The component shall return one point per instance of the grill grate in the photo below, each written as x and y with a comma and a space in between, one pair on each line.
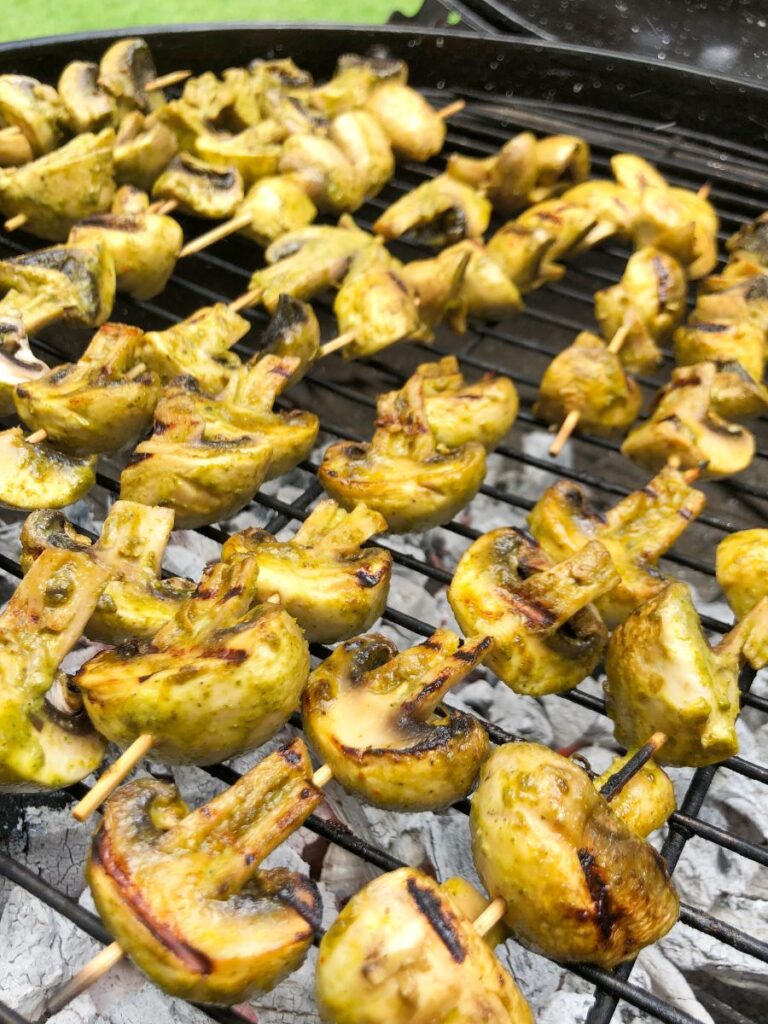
343, 395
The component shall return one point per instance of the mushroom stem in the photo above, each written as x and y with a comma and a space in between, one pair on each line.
451, 109
249, 298
333, 346
163, 81
491, 916
229, 227
104, 961
571, 421
11, 132
37, 438
113, 776
619, 779
14, 223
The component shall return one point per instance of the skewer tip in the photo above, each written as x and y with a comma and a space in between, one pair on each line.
162, 81
451, 109
491, 916
333, 346
14, 223
567, 427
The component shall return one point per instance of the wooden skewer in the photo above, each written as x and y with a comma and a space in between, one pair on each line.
571, 421
162, 81
37, 438
333, 346
250, 298
137, 371
104, 961
704, 191
14, 223
619, 779
451, 109
113, 776
491, 916
229, 227
162, 206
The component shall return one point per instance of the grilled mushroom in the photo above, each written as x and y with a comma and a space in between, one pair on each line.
649, 301
89, 105
246, 152
402, 951
374, 305
35, 109
331, 180
72, 283
402, 472
350, 86
437, 283
200, 188
198, 346
183, 894
637, 532
645, 802
485, 291
125, 70
37, 476
663, 675
142, 151
586, 377
546, 634
197, 462
91, 406
293, 331
684, 424
364, 143
306, 262
42, 745
458, 412
18, 364
415, 129
614, 208
605, 892
333, 586
136, 602
277, 205
436, 213
62, 187
735, 395
742, 569
740, 341
220, 677
143, 245
375, 718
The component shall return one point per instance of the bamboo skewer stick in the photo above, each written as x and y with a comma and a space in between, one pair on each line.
619, 779
113, 776
16, 222
229, 227
163, 81
163, 206
451, 109
37, 438
571, 421
333, 346
104, 961
249, 298
491, 916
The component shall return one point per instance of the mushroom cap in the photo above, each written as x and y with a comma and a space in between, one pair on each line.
403, 952
437, 213
277, 204
605, 892
88, 104
363, 714
200, 188
742, 569
37, 476
412, 125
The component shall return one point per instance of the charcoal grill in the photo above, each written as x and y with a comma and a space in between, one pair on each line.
696, 127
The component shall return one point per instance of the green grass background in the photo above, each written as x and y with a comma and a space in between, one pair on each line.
23, 19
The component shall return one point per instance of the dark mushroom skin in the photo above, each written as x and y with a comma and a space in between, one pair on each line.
136, 601
375, 305
125, 70
197, 461
547, 635
458, 412
89, 105
587, 378
436, 213
333, 586
402, 472
649, 301
144, 245
72, 283
58, 189
526, 170
183, 893
90, 406
683, 424
606, 893
200, 188
292, 331
278, 204
42, 745
375, 717
142, 151
742, 569
219, 678
198, 346
34, 476
305, 263
637, 532
403, 951
35, 109
644, 803
18, 363
664, 676
415, 130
